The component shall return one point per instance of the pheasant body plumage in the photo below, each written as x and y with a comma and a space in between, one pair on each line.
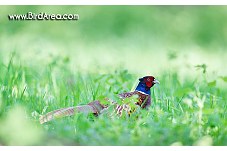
142, 92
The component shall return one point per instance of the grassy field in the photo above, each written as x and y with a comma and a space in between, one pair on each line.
47, 65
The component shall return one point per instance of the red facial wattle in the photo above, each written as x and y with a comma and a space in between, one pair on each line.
149, 84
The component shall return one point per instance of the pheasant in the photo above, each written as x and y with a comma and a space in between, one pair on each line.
143, 100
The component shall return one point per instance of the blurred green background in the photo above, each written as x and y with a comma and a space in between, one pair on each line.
174, 43
120, 35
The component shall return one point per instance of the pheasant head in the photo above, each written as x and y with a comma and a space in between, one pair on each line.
146, 83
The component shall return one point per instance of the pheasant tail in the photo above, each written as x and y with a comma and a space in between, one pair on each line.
93, 107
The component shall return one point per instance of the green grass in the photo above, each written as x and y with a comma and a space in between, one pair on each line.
191, 112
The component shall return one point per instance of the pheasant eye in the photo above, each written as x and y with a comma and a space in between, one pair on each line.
148, 79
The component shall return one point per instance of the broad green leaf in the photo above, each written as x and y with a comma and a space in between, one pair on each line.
182, 92
212, 84
224, 78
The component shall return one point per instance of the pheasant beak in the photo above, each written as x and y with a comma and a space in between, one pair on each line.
156, 81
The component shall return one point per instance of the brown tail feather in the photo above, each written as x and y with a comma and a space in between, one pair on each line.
93, 107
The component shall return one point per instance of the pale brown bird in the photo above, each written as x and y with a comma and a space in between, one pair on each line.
143, 100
